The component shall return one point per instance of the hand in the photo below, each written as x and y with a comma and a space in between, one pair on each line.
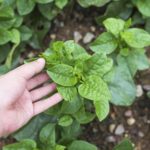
20, 100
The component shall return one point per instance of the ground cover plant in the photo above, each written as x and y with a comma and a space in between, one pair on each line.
89, 80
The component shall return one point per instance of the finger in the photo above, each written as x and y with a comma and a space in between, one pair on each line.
29, 70
43, 91
43, 105
37, 80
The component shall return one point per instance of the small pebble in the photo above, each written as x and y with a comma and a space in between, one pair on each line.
139, 91
112, 128
140, 134
111, 139
131, 121
93, 29
61, 24
77, 36
95, 130
146, 87
88, 37
119, 130
53, 36
128, 113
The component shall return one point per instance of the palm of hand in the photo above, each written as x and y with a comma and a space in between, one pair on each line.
23, 98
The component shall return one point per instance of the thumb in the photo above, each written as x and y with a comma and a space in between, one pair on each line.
31, 69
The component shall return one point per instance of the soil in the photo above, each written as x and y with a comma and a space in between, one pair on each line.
100, 134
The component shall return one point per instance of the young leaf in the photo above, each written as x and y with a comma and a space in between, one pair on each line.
60, 147
71, 107
62, 74
24, 144
83, 117
124, 145
25, 6
81, 145
137, 60
114, 26
98, 65
47, 135
122, 86
5, 36
136, 38
65, 121
87, 3
102, 109
6, 12
61, 3
94, 88
104, 43
143, 6
44, 1
68, 93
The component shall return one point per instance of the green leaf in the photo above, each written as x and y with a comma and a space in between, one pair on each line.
136, 38
26, 33
81, 145
87, 3
105, 43
62, 74
31, 130
68, 93
124, 145
25, 6
137, 60
122, 86
102, 109
98, 65
61, 3
124, 52
94, 88
49, 11
44, 1
6, 12
143, 7
114, 26
47, 135
5, 36
22, 145
71, 107
65, 121
60, 147
15, 36
83, 117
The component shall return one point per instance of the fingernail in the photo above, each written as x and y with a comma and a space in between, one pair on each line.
41, 60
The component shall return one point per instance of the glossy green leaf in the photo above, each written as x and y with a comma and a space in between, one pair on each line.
68, 93
5, 36
104, 43
81, 145
61, 3
44, 1
102, 109
122, 86
62, 74
114, 26
98, 65
124, 145
25, 6
47, 135
136, 38
65, 121
84, 117
143, 7
22, 145
94, 88
87, 3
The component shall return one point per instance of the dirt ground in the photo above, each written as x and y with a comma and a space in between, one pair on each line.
132, 122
